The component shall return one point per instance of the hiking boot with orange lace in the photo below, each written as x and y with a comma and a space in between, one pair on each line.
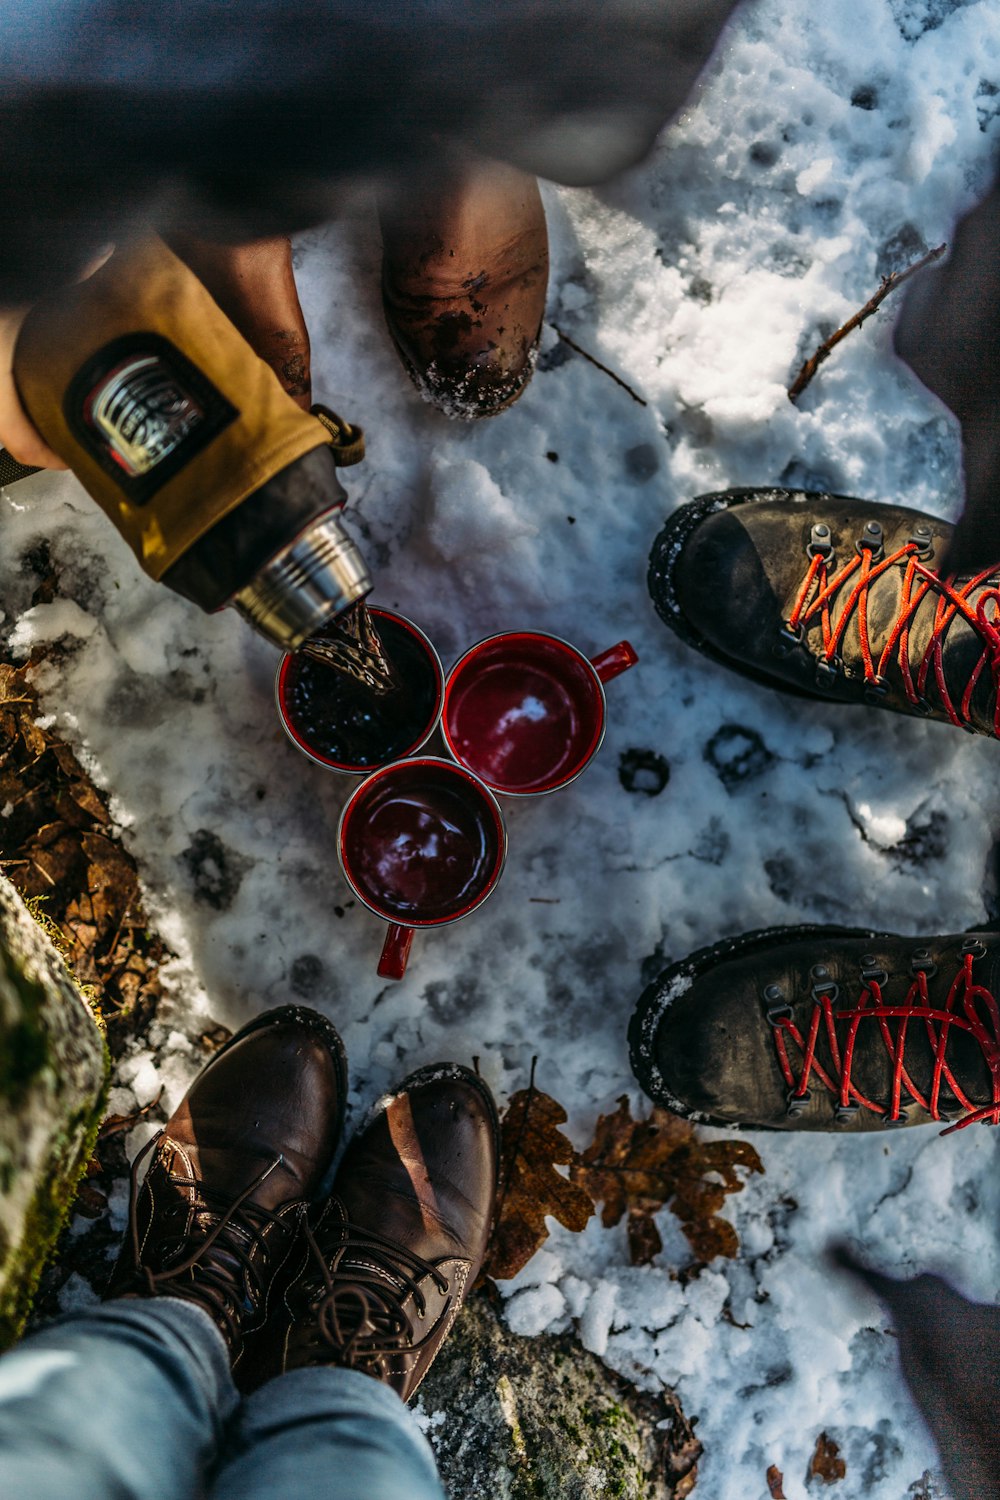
232, 1172
825, 1028
387, 1267
464, 277
830, 597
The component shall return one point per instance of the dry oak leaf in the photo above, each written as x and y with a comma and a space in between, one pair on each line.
776, 1483
531, 1147
639, 1165
826, 1463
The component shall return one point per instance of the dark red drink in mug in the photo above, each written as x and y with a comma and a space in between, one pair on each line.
526, 711
343, 724
422, 842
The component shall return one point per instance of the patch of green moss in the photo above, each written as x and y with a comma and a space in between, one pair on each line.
90, 994
24, 1046
48, 1213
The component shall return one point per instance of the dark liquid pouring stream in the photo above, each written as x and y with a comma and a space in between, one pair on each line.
351, 646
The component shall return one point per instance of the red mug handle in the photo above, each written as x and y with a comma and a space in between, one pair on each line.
395, 951
615, 660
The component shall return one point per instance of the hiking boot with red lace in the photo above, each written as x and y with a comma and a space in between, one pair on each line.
464, 276
834, 598
233, 1170
825, 1028
404, 1235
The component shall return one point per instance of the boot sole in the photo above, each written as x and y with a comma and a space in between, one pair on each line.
652, 1007
327, 1033
666, 552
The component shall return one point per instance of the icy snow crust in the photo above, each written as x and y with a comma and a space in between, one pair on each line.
766, 216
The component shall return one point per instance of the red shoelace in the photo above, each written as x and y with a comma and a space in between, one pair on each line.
960, 1010
819, 587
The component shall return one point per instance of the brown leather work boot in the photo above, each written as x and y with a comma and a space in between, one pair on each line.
402, 1239
464, 276
233, 1170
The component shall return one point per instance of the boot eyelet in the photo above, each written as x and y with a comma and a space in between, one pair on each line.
922, 707
825, 988
871, 540
789, 638
777, 1008
894, 1124
820, 544
974, 946
844, 1113
922, 537
828, 669
871, 969
922, 963
876, 689
797, 1104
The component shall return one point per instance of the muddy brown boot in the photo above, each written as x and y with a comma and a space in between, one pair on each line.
404, 1235
464, 276
254, 284
233, 1170
825, 1028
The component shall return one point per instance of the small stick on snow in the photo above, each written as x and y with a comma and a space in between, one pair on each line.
598, 366
889, 284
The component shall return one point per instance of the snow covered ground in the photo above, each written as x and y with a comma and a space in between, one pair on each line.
830, 144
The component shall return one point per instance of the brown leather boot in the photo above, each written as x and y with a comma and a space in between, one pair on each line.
464, 276
233, 1169
402, 1239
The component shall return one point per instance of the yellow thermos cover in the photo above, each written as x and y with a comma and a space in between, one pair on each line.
155, 400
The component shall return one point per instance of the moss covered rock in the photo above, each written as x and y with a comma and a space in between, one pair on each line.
514, 1418
53, 1078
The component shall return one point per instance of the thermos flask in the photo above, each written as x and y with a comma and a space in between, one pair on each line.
223, 487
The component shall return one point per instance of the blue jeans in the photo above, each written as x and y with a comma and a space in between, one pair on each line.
134, 1401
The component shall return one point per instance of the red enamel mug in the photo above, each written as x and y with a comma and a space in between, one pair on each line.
526, 712
346, 727
421, 842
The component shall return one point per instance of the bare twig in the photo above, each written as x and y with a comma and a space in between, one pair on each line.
598, 366
119, 1124
889, 284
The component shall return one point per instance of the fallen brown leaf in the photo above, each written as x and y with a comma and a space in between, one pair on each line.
776, 1483
639, 1165
531, 1148
826, 1464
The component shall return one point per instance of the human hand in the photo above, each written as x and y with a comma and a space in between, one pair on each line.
17, 432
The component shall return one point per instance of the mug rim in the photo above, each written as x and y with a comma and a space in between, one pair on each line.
541, 635
499, 820
347, 768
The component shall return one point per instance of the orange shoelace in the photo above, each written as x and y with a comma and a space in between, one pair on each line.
814, 600
969, 1007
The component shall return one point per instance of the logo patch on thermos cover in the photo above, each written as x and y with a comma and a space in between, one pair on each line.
143, 410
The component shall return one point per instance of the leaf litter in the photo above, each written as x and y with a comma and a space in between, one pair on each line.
632, 1167
59, 849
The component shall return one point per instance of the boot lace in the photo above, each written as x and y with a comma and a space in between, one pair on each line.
360, 1318
969, 1007
224, 1269
814, 602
